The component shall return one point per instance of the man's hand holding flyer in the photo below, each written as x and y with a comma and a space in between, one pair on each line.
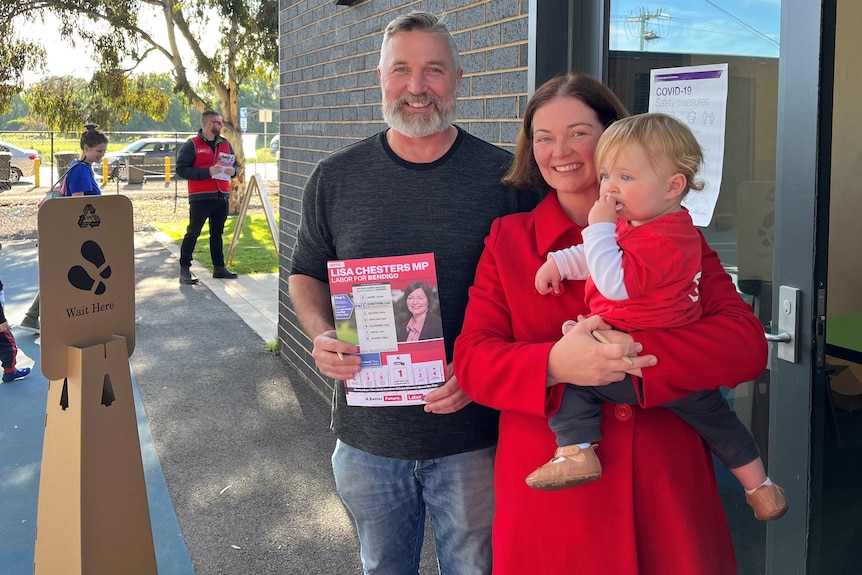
389, 307
223, 162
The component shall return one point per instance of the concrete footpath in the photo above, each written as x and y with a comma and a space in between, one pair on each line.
236, 446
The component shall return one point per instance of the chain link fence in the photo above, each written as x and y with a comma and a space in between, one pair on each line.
132, 157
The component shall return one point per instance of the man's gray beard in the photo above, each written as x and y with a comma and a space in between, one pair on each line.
416, 125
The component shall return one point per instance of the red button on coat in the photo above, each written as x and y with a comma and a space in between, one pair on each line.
623, 412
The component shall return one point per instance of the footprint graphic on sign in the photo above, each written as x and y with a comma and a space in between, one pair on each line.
80, 277
766, 232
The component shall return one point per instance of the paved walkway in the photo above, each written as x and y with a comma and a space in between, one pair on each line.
235, 445
254, 298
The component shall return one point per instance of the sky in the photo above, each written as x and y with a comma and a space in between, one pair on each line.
64, 59
729, 27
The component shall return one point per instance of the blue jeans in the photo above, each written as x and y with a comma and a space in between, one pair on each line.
387, 499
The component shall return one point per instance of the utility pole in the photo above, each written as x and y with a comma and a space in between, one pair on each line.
641, 18
265, 116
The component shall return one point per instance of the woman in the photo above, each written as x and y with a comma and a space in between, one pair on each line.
78, 181
79, 177
656, 509
422, 322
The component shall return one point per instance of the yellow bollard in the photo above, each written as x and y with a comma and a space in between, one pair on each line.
104, 170
36, 165
167, 170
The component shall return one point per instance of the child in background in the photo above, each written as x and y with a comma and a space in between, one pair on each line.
641, 260
8, 348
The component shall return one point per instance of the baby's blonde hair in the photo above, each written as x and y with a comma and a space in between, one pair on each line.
665, 140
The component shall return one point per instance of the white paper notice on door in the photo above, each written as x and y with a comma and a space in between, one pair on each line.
697, 96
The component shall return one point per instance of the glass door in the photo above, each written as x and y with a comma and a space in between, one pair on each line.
836, 440
747, 37
765, 230
791, 143
786, 225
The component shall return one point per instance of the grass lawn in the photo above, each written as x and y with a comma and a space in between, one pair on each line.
255, 253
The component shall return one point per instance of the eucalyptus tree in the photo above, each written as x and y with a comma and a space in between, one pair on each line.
208, 47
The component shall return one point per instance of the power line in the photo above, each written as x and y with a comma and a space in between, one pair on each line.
714, 28
727, 29
742, 23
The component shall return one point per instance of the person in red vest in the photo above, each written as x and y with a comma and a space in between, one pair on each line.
208, 162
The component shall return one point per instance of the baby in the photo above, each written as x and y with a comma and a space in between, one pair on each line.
641, 258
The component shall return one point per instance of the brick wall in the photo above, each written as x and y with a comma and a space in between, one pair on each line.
330, 97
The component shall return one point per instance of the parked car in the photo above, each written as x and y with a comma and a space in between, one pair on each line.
155, 151
23, 162
273, 146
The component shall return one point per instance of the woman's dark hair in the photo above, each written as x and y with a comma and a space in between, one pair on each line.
92, 137
524, 172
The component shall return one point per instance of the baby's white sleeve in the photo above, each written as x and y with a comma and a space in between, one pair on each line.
571, 262
605, 260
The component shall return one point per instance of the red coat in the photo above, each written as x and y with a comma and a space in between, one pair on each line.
656, 509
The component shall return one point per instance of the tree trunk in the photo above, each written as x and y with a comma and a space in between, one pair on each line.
237, 184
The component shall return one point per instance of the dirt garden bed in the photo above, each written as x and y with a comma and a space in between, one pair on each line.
152, 202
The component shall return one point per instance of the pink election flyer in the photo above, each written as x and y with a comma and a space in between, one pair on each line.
390, 308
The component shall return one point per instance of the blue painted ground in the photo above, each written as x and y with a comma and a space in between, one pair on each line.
22, 424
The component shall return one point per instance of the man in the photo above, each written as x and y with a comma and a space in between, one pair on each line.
423, 185
208, 163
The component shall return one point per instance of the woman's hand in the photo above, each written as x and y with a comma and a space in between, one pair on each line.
448, 398
334, 358
578, 358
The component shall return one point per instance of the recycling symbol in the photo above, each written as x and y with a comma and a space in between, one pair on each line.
766, 231
89, 219
80, 278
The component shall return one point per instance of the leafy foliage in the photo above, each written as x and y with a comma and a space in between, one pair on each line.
59, 100
66, 103
222, 42
16, 56
17, 116
180, 117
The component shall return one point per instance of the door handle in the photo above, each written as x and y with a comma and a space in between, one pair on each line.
787, 343
782, 337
